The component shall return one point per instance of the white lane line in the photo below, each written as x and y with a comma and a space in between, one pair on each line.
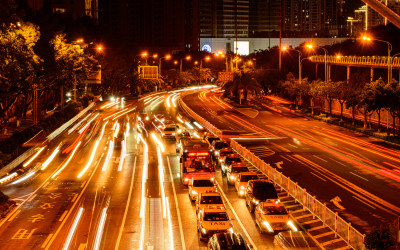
177, 207
32, 197
364, 202
317, 176
126, 207
286, 158
320, 158
63, 215
83, 184
73, 199
358, 176
237, 217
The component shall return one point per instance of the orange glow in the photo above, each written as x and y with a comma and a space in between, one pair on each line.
198, 154
188, 58
309, 46
175, 62
338, 56
196, 62
207, 58
366, 38
250, 63
155, 56
284, 48
144, 54
99, 48
80, 40
168, 57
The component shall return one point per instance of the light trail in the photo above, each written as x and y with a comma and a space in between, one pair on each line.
107, 105
127, 129
116, 131
126, 112
87, 124
24, 178
50, 159
121, 159
109, 154
198, 125
69, 159
161, 173
8, 177
188, 125
171, 236
33, 157
90, 160
110, 116
78, 124
143, 201
168, 101
179, 119
100, 229
151, 100
114, 126
196, 135
159, 143
175, 99
102, 131
73, 228
156, 104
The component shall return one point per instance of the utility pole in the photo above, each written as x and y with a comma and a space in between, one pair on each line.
35, 105
280, 38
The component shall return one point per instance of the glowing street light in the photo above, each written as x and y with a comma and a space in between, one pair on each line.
284, 49
310, 47
187, 59
99, 48
166, 57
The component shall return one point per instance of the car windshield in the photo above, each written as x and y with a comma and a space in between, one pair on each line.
216, 216
240, 169
220, 145
211, 200
264, 191
169, 129
274, 210
246, 178
203, 183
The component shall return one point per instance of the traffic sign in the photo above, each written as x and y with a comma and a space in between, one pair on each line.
148, 72
225, 76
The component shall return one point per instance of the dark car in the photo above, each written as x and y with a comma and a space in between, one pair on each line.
222, 241
258, 191
294, 240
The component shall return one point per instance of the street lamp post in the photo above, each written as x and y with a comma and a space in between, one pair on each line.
310, 46
284, 48
187, 59
201, 61
167, 57
366, 38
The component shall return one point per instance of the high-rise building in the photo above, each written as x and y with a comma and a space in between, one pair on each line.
76, 9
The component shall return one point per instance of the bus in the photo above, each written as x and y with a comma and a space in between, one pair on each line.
195, 160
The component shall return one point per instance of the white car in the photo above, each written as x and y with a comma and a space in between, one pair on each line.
199, 185
241, 181
169, 132
272, 217
209, 200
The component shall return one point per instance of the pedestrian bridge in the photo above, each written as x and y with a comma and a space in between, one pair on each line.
358, 61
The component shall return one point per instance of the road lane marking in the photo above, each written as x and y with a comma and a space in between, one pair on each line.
320, 158
286, 158
72, 208
317, 176
83, 184
45, 185
23, 234
82, 246
32, 197
73, 199
126, 207
237, 217
12, 217
47, 240
359, 176
63, 215
176, 206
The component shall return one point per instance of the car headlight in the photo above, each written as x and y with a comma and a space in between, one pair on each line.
241, 192
212, 178
232, 177
204, 230
242, 187
194, 192
230, 230
186, 179
256, 201
173, 133
220, 160
292, 226
268, 226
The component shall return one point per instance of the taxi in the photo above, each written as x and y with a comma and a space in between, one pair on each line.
233, 171
209, 200
211, 221
199, 185
272, 217
241, 181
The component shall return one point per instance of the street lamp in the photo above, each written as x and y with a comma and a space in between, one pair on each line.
236, 60
222, 55
368, 39
187, 59
167, 57
284, 49
310, 47
207, 58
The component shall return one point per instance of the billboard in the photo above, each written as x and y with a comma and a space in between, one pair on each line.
243, 47
148, 72
225, 76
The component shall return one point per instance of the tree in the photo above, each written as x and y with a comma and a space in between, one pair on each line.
344, 92
375, 98
19, 66
315, 91
379, 239
392, 97
244, 81
73, 64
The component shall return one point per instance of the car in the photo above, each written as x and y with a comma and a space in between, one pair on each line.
211, 221
169, 132
294, 240
200, 185
209, 200
233, 171
242, 180
258, 191
228, 160
222, 153
272, 217
225, 241
217, 145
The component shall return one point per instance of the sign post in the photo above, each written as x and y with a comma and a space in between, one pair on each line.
148, 72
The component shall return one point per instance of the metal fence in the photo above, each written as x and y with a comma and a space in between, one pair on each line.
61, 129
329, 218
381, 61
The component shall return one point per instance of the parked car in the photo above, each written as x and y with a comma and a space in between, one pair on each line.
211, 221
242, 180
200, 185
272, 217
233, 171
294, 240
228, 160
209, 200
227, 241
258, 191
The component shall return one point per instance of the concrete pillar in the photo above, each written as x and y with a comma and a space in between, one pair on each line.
371, 75
329, 72
348, 73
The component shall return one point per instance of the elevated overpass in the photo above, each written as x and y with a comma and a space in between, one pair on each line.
384, 11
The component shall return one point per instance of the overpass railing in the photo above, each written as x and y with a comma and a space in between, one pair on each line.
357, 60
329, 218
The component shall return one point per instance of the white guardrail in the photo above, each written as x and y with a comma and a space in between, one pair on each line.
329, 218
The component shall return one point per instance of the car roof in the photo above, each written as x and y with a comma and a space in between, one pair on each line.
214, 210
300, 239
229, 240
248, 173
210, 194
200, 178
